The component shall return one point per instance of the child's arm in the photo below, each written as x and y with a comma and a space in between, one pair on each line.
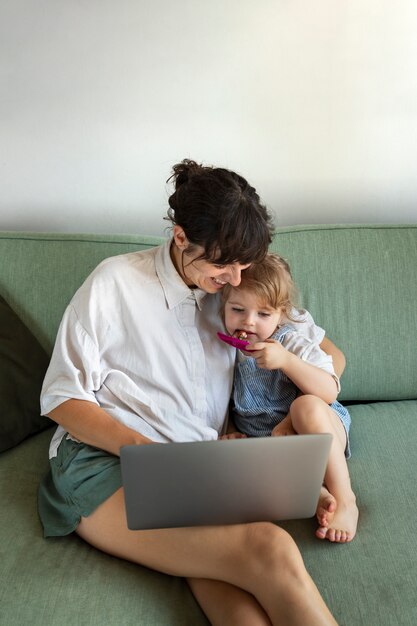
307, 327
307, 377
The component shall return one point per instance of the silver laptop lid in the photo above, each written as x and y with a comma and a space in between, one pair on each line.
223, 482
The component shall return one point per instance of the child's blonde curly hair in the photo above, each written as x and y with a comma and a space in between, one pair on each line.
271, 282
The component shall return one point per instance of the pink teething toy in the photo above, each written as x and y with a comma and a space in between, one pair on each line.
233, 341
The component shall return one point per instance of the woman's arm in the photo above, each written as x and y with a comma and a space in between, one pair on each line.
231, 431
92, 425
339, 360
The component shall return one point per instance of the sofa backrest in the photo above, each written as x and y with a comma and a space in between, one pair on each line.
39, 273
359, 283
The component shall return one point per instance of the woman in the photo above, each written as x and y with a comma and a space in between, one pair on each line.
137, 361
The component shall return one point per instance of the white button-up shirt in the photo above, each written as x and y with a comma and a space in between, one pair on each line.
143, 346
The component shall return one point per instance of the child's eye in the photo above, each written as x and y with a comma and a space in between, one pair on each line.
237, 309
262, 314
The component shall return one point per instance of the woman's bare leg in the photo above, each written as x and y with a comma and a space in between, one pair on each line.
337, 510
225, 604
260, 559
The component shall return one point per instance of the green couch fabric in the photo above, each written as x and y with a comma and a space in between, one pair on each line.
57, 265
62, 582
370, 582
359, 283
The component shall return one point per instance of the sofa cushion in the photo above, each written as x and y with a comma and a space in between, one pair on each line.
359, 283
56, 264
23, 364
369, 582
343, 273
60, 581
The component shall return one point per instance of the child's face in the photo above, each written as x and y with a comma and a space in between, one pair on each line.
244, 311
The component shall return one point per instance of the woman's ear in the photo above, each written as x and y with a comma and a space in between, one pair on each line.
180, 237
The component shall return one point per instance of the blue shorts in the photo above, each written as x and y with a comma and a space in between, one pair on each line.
344, 417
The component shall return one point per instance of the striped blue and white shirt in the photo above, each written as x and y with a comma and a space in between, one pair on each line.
262, 398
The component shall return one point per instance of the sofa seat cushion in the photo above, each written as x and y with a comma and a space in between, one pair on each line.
45, 582
377, 572
62, 581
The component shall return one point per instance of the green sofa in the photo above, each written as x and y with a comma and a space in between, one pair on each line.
360, 284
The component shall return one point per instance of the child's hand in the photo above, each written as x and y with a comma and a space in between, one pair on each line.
269, 354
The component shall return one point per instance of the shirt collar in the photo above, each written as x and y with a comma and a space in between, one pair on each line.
175, 289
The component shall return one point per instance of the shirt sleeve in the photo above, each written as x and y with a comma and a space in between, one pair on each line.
306, 325
74, 371
309, 351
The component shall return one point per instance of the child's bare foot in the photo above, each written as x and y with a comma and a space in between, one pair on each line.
342, 528
326, 507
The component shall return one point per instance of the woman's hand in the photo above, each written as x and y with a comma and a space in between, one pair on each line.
235, 435
339, 360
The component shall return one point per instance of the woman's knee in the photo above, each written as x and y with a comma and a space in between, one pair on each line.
269, 548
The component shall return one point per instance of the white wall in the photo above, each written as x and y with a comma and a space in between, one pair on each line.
314, 101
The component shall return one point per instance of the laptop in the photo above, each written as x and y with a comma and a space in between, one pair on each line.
169, 485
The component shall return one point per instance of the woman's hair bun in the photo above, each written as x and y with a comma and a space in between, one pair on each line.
220, 212
182, 172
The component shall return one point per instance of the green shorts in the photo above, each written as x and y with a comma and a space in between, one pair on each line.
79, 480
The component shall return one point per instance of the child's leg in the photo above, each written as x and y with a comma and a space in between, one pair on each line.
338, 520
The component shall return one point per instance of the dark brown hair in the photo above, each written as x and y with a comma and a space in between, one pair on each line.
221, 212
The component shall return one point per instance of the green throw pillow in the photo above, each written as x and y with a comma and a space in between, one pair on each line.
23, 364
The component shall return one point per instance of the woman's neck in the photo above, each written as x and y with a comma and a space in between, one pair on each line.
177, 258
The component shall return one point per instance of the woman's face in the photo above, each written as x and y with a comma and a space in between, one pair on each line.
209, 276
197, 272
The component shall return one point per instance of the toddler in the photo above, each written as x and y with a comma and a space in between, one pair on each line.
285, 384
